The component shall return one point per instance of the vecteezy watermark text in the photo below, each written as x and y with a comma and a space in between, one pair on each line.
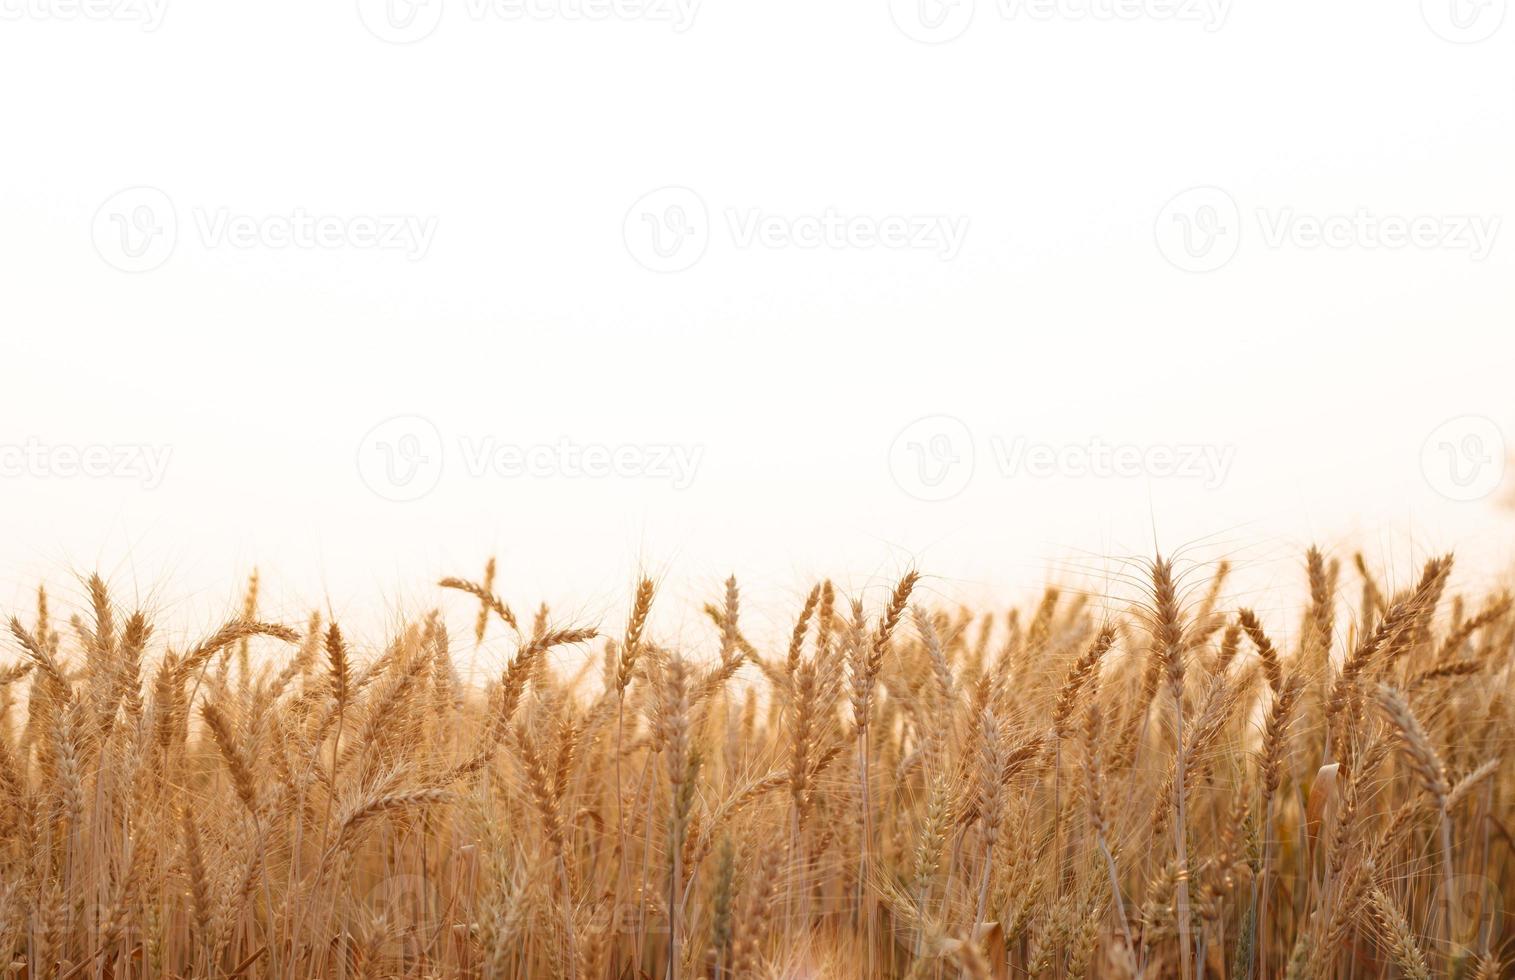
137, 230
669, 230
1202, 228
674, 463
407, 21
403, 458
1211, 13
1204, 462
408, 233
146, 13
938, 21
677, 13
940, 234
935, 458
1471, 233
146, 464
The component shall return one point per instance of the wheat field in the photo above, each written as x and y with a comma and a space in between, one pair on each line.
1153, 782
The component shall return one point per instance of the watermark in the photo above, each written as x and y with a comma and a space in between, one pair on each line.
1207, 463
1464, 21
407, 233
669, 230
138, 229
1209, 14
1476, 909
931, 21
400, 21
939, 21
934, 458
941, 235
148, 14
1201, 229
1471, 233
1463, 459
144, 463
402, 459
408, 21
673, 463
403, 912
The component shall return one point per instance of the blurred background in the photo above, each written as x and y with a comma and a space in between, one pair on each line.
1012, 291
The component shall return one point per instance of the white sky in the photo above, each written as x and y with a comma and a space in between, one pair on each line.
1055, 145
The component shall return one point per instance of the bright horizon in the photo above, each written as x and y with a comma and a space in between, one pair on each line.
741, 280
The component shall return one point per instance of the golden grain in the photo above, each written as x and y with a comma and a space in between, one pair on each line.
858, 801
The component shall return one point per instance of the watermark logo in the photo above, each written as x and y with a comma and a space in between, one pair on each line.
146, 13
1464, 21
406, 233
400, 459
135, 230
408, 21
146, 464
667, 230
1199, 230
678, 14
400, 21
1471, 233
939, 234
939, 21
1206, 463
932, 458
931, 21
1463, 459
1476, 907
1211, 14
403, 912
674, 463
